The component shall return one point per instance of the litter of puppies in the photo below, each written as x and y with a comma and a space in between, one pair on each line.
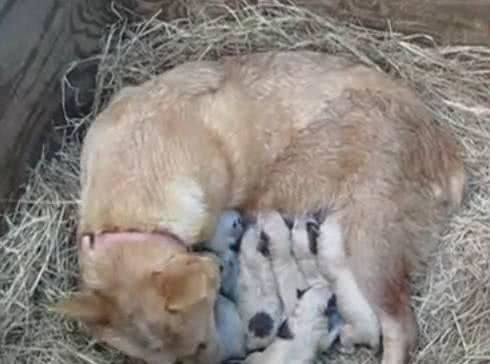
276, 318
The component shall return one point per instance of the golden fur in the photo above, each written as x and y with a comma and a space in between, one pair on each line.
291, 131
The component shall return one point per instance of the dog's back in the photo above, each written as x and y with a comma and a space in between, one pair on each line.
235, 117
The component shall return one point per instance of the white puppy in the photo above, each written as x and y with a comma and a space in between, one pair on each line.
290, 280
361, 323
304, 236
299, 339
259, 304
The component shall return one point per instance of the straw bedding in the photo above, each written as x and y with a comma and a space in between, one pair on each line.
451, 297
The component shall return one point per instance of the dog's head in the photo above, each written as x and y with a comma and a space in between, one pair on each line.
147, 296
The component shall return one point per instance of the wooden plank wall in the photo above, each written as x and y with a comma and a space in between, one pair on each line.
448, 21
39, 38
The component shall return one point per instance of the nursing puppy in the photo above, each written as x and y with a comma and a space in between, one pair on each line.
361, 325
290, 281
304, 241
259, 302
291, 131
269, 280
299, 341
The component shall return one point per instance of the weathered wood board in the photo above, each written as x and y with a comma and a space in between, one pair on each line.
448, 21
39, 38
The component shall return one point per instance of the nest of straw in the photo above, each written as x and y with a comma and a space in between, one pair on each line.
451, 297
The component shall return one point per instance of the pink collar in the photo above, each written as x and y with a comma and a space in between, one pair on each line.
110, 237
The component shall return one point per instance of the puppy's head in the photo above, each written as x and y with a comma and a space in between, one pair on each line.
147, 297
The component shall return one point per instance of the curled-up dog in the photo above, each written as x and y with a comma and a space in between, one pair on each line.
290, 281
259, 303
284, 130
298, 340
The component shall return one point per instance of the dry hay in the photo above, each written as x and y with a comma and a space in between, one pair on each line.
452, 299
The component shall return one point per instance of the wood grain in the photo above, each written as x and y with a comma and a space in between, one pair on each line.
37, 42
448, 21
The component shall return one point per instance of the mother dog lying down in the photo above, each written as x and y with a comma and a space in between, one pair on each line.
291, 131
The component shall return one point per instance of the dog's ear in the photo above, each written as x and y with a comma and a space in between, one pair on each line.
88, 307
186, 282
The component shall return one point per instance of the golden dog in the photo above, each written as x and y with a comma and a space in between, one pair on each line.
291, 131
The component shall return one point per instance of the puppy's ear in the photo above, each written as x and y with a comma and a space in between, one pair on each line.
186, 282
88, 307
